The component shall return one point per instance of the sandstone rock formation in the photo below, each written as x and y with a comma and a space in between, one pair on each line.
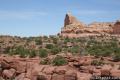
71, 20
116, 28
76, 69
74, 28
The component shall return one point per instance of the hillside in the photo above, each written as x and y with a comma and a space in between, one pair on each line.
79, 50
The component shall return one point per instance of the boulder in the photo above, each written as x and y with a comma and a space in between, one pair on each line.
57, 77
115, 73
9, 73
49, 70
20, 76
41, 76
61, 70
96, 72
19, 66
5, 65
105, 71
71, 75
83, 76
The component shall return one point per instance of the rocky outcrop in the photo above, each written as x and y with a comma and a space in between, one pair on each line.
74, 28
71, 20
116, 28
76, 69
71, 25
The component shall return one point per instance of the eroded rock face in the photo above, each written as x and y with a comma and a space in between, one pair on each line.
69, 19
77, 69
116, 28
71, 24
74, 28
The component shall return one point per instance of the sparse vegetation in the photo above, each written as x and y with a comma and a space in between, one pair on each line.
44, 46
55, 50
43, 53
59, 60
49, 46
32, 53
74, 50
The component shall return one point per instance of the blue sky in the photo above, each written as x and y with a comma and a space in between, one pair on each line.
46, 17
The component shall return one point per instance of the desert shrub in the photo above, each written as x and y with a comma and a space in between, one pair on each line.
32, 53
97, 62
38, 41
74, 49
24, 52
101, 48
19, 51
55, 50
43, 53
66, 40
59, 61
49, 46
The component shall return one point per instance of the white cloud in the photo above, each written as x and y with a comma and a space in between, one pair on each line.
20, 14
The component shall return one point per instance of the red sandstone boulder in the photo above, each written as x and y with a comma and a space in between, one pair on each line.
20, 66
5, 65
61, 70
49, 70
83, 76
71, 75
97, 72
29, 69
57, 77
42, 76
20, 76
9, 73
115, 73
105, 71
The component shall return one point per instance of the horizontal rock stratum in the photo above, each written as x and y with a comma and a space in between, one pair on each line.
74, 28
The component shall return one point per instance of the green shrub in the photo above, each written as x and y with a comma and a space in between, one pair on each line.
19, 51
43, 53
38, 41
66, 40
55, 50
59, 61
49, 46
24, 53
97, 62
74, 49
32, 53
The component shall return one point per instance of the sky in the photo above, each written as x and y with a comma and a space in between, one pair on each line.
46, 17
